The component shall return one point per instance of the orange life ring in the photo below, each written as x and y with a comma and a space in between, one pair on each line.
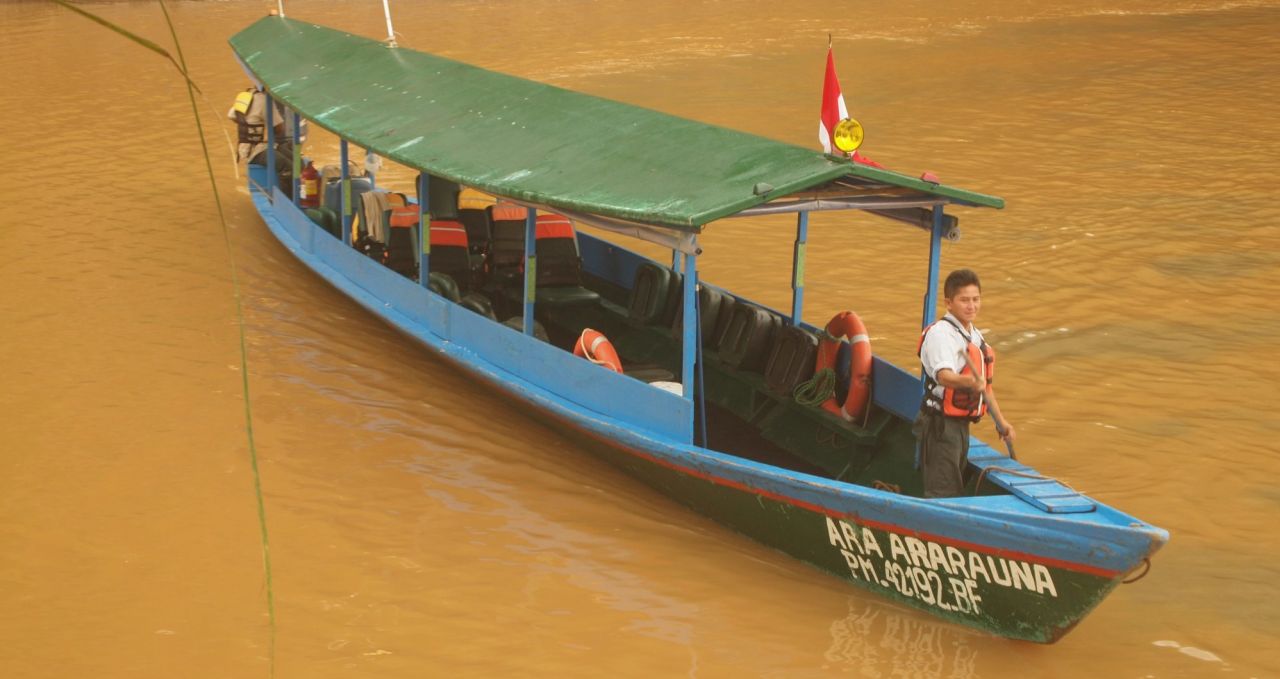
847, 327
595, 347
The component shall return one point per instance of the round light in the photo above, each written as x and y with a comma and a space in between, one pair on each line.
848, 135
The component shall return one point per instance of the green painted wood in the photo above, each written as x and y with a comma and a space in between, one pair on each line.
535, 142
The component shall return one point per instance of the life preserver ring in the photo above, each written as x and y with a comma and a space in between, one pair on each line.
595, 347
846, 335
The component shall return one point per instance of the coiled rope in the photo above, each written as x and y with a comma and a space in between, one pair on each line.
815, 391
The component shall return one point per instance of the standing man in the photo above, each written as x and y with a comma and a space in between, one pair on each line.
249, 112
958, 366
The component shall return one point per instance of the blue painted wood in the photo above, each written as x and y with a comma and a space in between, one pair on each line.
530, 268
586, 391
655, 426
297, 158
797, 268
424, 229
609, 261
689, 335
345, 200
935, 263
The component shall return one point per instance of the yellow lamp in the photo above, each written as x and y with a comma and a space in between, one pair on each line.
848, 135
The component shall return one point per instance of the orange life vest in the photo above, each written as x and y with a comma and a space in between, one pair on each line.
960, 402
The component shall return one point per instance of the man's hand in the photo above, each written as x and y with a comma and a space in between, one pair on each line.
1006, 431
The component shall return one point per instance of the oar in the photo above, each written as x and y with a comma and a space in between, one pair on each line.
995, 410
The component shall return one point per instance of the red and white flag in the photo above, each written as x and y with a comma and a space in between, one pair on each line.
833, 109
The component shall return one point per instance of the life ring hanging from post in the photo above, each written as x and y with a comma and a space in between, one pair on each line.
595, 347
846, 336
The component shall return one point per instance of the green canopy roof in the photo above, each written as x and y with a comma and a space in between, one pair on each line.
538, 143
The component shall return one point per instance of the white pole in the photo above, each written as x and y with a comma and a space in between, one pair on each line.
280, 6
391, 34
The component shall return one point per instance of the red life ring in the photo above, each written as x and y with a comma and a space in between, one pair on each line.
595, 347
846, 326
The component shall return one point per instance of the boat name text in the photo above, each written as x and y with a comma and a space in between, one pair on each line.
936, 574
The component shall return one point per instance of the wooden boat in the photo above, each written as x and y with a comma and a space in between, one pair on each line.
704, 411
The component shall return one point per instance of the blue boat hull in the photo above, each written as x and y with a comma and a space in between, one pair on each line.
994, 562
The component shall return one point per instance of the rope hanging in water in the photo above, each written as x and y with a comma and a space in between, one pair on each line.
817, 390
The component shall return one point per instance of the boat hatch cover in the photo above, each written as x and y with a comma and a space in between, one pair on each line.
1039, 491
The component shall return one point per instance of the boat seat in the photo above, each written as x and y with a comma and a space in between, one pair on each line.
506, 247
401, 253
443, 284
539, 331
449, 253
710, 301
332, 197
791, 360
655, 296
748, 338
326, 219
727, 303
559, 266
650, 374
473, 212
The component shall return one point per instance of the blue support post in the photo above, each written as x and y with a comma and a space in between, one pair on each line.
272, 179
797, 268
346, 193
297, 160
935, 258
424, 229
530, 268
689, 336
676, 257
368, 172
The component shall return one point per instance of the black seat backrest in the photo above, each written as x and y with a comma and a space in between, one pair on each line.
711, 304
791, 360
727, 304
558, 262
506, 253
648, 298
449, 252
443, 285
473, 212
748, 337
401, 253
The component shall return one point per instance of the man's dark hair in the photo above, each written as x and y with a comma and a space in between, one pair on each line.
958, 279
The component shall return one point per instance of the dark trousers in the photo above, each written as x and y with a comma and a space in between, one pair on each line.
944, 452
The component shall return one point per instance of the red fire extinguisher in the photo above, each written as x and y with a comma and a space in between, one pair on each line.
310, 184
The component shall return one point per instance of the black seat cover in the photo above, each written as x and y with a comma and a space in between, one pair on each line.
647, 301
792, 358
748, 337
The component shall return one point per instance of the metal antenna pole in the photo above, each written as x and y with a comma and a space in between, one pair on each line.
391, 34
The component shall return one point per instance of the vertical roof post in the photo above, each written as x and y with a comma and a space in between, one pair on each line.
530, 268
424, 228
935, 261
297, 159
345, 201
691, 343
272, 179
797, 267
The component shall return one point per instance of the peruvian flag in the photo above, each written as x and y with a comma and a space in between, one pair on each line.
833, 111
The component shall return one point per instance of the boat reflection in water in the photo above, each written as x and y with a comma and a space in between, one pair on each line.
888, 641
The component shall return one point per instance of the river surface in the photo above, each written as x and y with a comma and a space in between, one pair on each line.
421, 525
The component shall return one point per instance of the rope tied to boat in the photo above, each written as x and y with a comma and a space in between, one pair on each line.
1146, 562
815, 391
